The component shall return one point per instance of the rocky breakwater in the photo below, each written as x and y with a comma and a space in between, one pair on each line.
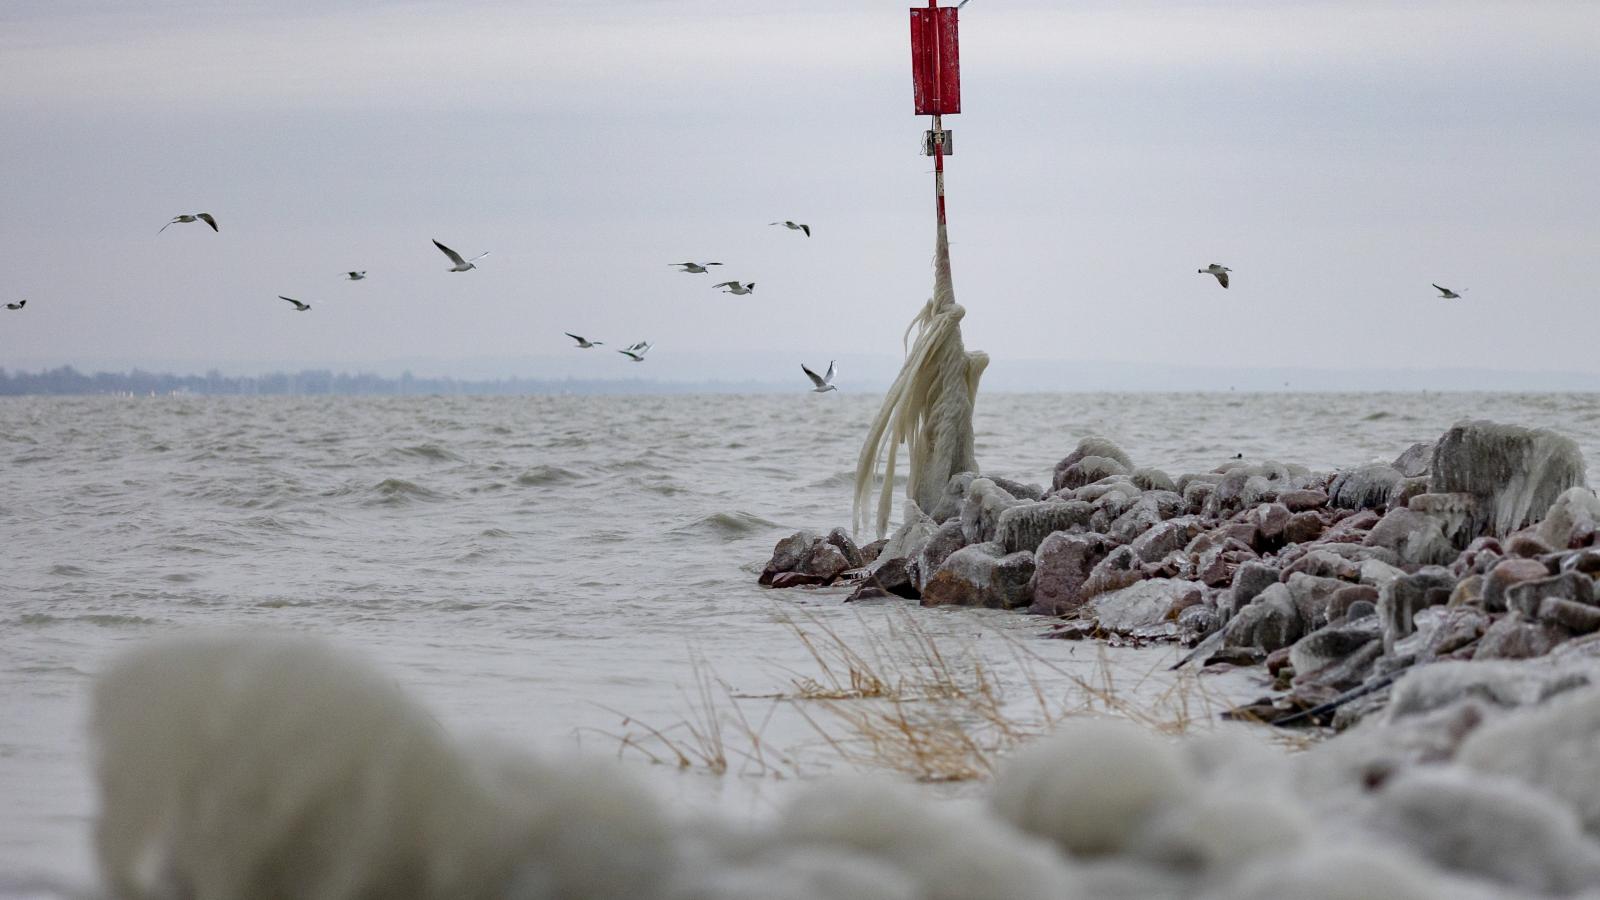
1480, 545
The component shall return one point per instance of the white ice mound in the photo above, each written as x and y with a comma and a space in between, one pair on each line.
270, 767
1090, 787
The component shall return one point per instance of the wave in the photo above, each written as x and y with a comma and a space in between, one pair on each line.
428, 451
104, 620
398, 490
727, 525
547, 475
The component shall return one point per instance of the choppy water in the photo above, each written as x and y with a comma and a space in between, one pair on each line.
523, 564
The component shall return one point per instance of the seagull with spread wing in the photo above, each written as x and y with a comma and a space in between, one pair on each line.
637, 351
298, 306
734, 287
794, 226
1220, 271
197, 217
694, 268
583, 343
461, 265
1447, 294
824, 383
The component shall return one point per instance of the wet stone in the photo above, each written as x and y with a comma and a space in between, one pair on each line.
1508, 572
1579, 618
1526, 596
1303, 500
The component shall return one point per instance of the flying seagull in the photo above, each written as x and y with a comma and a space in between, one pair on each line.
824, 383
1220, 271
461, 265
298, 306
356, 276
1447, 294
17, 305
734, 287
794, 226
197, 217
694, 268
583, 343
637, 351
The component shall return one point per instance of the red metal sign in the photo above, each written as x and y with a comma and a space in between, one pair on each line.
935, 62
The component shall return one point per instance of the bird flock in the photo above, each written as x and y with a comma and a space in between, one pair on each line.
1221, 273
636, 351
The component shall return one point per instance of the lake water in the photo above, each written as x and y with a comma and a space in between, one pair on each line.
533, 569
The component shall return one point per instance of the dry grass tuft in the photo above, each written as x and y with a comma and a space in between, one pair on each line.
899, 699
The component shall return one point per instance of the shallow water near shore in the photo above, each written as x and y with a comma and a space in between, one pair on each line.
533, 569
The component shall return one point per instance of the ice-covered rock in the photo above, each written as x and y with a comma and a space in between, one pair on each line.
1089, 447
1062, 565
955, 494
1550, 746
1401, 599
1416, 538
1525, 596
947, 539
788, 554
1142, 605
1367, 487
909, 538
840, 539
1505, 574
1154, 480
1515, 473
1416, 459
1026, 525
1572, 519
981, 575
980, 512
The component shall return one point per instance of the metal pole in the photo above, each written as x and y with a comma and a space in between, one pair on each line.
938, 129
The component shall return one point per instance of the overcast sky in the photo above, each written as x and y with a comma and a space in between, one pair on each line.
1339, 156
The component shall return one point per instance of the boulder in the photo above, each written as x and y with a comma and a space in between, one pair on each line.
1117, 570
1269, 623
1325, 564
1139, 518
1089, 470
1197, 496
1526, 596
1415, 538
1163, 538
1401, 496
788, 553
1401, 599
1061, 566
1416, 460
1249, 580
1311, 597
1515, 473
1303, 500
1456, 514
1367, 487
1143, 605
1513, 637
825, 561
908, 539
1026, 525
840, 539
1018, 489
955, 493
871, 552
1578, 618
1154, 480
1508, 572
1313, 655
1271, 521
1089, 446
946, 540
979, 575
1304, 527
1352, 528
892, 577
1342, 601
1572, 519
980, 512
